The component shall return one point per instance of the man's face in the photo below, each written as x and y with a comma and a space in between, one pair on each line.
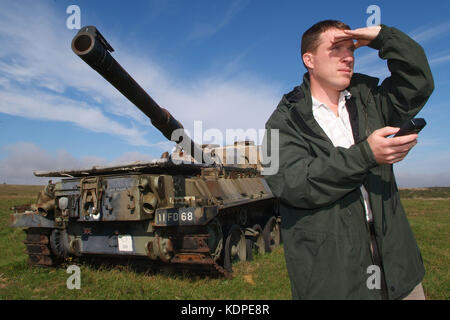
331, 64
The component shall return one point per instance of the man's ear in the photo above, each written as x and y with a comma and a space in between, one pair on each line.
308, 60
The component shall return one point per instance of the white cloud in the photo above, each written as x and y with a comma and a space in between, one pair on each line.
422, 180
419, 170
39, 105
24, 158
131, 157
204, 30
36, 57
370, 63
242, 103
38, 69
442, 57
427, 33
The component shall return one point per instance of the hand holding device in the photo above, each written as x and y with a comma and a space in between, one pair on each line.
411, 126
391, 150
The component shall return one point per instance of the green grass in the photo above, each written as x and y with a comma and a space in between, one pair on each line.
263, 278
430, 221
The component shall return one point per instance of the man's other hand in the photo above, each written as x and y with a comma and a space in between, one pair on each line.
390, 150
363, 36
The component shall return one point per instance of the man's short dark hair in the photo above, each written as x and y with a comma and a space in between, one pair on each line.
310, 39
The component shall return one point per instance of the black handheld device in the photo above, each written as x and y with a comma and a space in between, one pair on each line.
411, 126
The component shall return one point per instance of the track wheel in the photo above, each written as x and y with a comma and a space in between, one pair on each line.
38, 247
215, 239
235, 247
255, 244
271, 234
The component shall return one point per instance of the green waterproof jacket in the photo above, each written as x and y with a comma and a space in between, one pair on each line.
326, 238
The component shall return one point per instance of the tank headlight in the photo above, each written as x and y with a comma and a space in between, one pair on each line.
63, 203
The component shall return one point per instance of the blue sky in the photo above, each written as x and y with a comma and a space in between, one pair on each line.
226, 63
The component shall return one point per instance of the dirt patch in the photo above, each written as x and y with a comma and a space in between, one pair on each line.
249, 279
3, 282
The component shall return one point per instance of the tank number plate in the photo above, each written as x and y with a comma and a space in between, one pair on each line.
181, 216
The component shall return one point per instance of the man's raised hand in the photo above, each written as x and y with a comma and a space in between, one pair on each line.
363, 36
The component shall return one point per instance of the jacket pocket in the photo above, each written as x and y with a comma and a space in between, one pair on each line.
301, 259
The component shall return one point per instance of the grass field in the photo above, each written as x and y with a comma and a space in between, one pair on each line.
263, 278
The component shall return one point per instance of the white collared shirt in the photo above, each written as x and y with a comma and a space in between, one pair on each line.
339, 130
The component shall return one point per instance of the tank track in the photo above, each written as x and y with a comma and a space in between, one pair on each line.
38, 247
39, 251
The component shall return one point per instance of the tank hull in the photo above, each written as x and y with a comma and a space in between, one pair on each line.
154, 214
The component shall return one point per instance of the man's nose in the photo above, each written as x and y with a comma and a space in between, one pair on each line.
348, 56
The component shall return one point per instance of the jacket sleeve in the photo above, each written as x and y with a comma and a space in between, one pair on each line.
306, 181
405, 92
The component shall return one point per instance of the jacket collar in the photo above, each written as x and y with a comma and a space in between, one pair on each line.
304, 108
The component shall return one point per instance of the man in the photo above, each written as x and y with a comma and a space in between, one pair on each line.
345, 232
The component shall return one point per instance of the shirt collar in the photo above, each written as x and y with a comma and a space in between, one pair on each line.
345, 94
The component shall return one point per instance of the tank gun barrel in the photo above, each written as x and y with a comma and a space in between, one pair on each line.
92, 48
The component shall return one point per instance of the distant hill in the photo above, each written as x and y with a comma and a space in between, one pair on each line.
19, 191
27, 191
434, 192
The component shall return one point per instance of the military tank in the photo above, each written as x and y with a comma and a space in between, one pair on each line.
193, 208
